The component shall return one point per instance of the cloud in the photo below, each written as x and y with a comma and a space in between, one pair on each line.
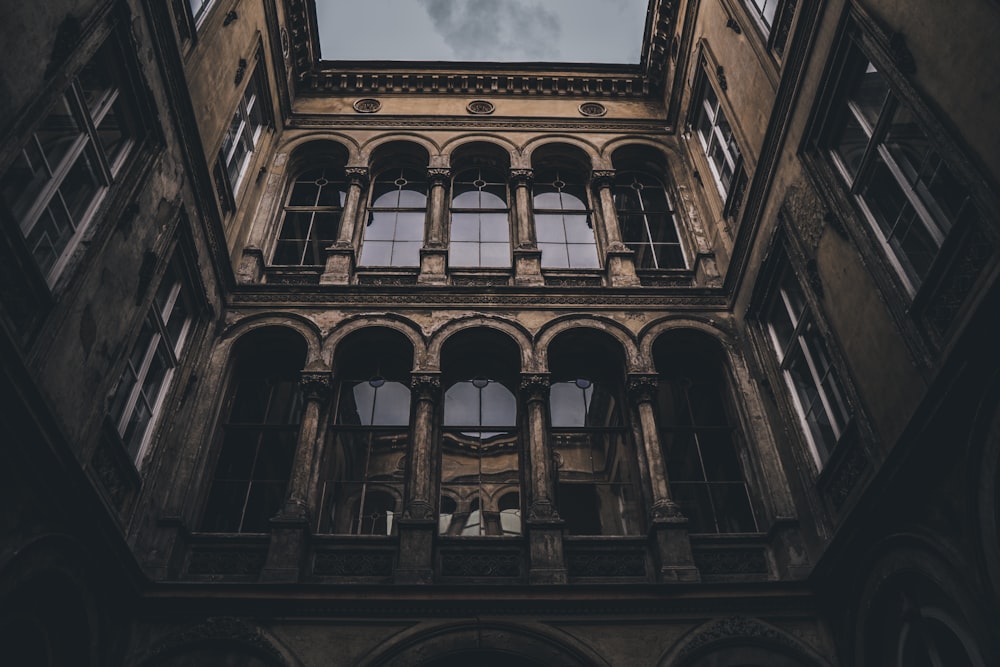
496, 30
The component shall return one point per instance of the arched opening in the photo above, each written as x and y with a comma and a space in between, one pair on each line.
699, 434
563, 214
362, 483
480, 444
598, 490
259, 432
480, 207
397, 208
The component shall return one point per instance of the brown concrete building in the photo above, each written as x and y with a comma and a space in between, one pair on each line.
689, 363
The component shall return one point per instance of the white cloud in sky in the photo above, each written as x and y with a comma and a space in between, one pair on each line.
599, 31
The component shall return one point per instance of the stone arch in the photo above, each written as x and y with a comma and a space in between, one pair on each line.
517, 332
354, 323
922, 569
51, 603
533, 644
462, 141
305, 327
219, 637
740, 640
769, 474
618, 144
609, 326
339, 146
374, 150
583, 154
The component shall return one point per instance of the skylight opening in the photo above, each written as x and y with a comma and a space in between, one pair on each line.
496, 31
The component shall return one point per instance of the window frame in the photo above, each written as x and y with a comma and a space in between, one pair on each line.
452, 210
371, 209
85, 148
731, 194
313, 210
587, 212
670, 211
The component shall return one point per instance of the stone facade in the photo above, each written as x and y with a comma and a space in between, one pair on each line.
328, 363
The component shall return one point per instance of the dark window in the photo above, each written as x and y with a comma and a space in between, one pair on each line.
151, 364
259, 437
480, 460
311, 217
699, 443
57, 180
909, 194
598, 490
244, 131
648, 223
806, 364
563, 225
719, 144
395, 230
480, 231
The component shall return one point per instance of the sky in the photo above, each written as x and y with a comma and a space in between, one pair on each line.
570, 31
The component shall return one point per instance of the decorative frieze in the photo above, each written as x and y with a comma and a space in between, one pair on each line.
367, 105
731, 562
488, 564
353, 564
620, 563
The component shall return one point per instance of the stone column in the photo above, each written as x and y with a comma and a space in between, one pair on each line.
527, 256
340, 256
290, 528
544, 527
434, 254
668, 526
418, 524
619, 260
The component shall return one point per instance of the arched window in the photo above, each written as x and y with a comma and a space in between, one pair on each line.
648, 224
259, 434
311, 219
395, 230
363, 484
480, 460
598, 483
480, 231
698, 435
563, 225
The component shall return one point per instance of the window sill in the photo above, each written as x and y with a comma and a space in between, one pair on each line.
573, 277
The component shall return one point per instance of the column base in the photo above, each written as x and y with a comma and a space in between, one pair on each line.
673, 550
547, 562
251, 267
416, 552
339, 266
528, 267
433, 266
286, 552
621, 268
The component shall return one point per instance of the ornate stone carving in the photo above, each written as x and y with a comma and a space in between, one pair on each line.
455, 299
730, 561
606, 564
720, 75
357, 175
603, 178
480, 564
315, 385
286, 47
480, 107
438, 175
783, 27
217, 628
353, 564
426, 386
543, 510
642, 387
806, 213
535, 386
735, 627
419, 510
241, 70
367, 105
522, 176
667, 511
593, 109
378, 280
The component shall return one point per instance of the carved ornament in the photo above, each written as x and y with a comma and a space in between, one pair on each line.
367, 105
438, 175
427, 386
593, 109
218, 628
522, 176
642, 388
603, 178
357, 175
480, 107
737, 627
535, 386
315, 385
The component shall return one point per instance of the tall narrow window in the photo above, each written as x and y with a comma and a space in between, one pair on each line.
395, 230
806, 364
150, 366
480, 460
598, 492
258, 437
311, 217
480, 231
563, 225
199, 8
244, 131
717, 140
909, 194
363, 489
699, 439
57, 180
648, 223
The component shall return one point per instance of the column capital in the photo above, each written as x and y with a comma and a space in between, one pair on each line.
438, 175
357, 175
522, 176
426, 385
642, 387
667, 511
315, 385
603, 178
535, 386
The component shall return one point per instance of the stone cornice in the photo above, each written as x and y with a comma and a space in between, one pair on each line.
315, 76
498, 123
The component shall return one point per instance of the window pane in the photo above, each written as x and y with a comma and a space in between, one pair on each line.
578, 229
499, 407
554, 255
392, 405
406, 254
494, 227
583, 256
464, 227
849, 143
113, 132
305, 191
868, 93
381, 226
495, 254
376, 253
549, 228
463, 254
20, 186
80, 186
409, 226
57, 133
